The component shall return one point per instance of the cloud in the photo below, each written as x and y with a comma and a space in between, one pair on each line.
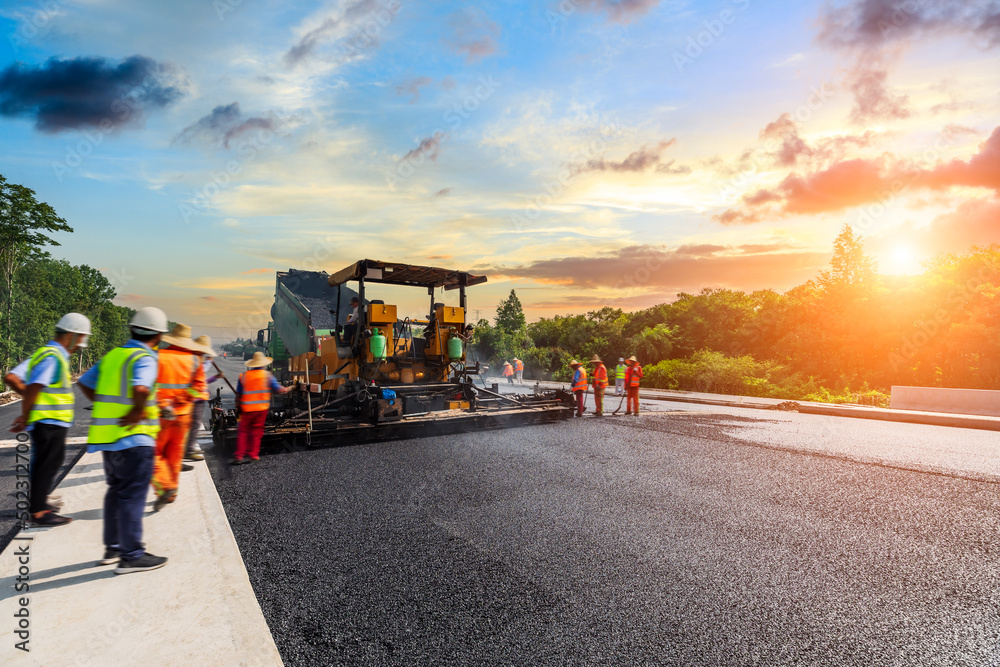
872, 98
851, 183
790, 149
434, 258
210, 298
429, 147
443, 192
412, 87
656, 267
474, 35
870, 24
645, 158
618, 11
89, 92
224, 124
335, 27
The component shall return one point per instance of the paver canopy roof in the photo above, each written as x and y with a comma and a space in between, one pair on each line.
376, 271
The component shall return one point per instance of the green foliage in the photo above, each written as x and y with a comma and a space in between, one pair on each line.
510, 315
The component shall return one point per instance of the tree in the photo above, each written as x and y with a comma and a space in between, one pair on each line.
24, 222
849, 264
510, 315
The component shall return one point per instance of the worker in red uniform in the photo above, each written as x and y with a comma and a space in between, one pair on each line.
179, 383
579, 386
632, 377
253, 400
600, 375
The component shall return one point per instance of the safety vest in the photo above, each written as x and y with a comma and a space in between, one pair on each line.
113, 397
620, 371
600, 377
634, 375
508, 370
175, 380
519, 366
256, 394
56, 400
580, 380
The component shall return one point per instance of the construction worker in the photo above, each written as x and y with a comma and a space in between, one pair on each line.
600, 381
192, 451
351, 327
632, 377
579, 386
620, 377
508, 372
519, 370
47, 413
124, 426
253, 399
180, 382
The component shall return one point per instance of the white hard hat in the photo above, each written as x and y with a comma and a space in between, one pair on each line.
621, 359
149, 320
73, 323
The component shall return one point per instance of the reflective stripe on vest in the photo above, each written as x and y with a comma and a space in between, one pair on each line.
600, 377
519, 366
620, 372
56, 400
178, 369
635, 375
113, 398
581, 383
256, 394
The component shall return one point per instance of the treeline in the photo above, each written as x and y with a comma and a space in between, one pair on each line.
848, 331
36, 289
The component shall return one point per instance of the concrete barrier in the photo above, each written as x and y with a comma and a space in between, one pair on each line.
958, 401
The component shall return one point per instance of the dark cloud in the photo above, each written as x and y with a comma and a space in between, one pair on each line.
353, 14
619, 11
474, 35
873, 101
429, 147
647, 157
852, 183
88, 92
872, 24
792, 145
224, 124
657, 267
412, 87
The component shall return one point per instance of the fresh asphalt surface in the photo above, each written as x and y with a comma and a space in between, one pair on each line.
693, 536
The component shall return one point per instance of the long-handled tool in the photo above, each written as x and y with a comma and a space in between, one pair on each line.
224, 376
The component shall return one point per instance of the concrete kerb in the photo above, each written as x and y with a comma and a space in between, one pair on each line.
200, 608
855, 412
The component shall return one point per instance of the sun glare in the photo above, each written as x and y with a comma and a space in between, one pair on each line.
902, 261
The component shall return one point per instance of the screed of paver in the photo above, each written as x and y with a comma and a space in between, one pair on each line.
198, 609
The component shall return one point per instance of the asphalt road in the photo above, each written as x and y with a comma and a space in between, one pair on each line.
695, 537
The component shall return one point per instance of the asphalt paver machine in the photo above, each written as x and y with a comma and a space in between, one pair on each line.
382, 377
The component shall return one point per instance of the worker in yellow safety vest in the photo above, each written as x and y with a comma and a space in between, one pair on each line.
579, 386
620, 377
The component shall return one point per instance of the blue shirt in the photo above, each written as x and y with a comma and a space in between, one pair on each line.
44, 373
576, 376
144, 372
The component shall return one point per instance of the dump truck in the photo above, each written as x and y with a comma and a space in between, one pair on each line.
384, 376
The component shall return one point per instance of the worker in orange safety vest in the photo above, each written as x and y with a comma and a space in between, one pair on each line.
579, 386
600, 375
519, 370
179, 383
632, 377
508, 372
253, 402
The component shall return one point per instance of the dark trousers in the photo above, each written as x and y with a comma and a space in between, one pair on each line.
48, 454
128, 473
197, 410
581, 398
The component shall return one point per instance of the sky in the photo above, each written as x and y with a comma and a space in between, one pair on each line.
585, 153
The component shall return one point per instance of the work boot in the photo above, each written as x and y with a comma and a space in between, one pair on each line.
163, 499
185, 467
111, 556
194, 453
50, 519
144, 562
